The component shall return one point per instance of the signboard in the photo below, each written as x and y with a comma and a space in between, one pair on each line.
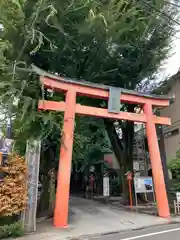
106, 186
114, 100
143, 184
178, 197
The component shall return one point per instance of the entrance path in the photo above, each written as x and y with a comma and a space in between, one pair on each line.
88, 217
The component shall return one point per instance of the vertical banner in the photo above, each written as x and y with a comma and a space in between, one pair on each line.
33, 149
178, 197
6, 145
106, 186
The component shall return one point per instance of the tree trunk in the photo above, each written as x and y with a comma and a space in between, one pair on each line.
128, 138
123, 150
46, 166
47, 161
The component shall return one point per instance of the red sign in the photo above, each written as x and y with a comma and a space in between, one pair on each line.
129, 176
108, 158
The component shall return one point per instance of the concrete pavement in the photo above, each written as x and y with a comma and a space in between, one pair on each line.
166, 232
88, 217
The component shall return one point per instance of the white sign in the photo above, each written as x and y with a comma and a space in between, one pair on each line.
178, 196
106, 186
143, 184
92, 169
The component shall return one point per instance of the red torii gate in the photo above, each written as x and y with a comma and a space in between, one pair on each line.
72, 89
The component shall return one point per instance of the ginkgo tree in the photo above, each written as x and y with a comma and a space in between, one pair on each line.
114, 42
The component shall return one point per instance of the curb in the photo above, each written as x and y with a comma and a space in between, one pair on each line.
85, 237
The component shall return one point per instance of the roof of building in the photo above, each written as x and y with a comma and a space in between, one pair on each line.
166, 86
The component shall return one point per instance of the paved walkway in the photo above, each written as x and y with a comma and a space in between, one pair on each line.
87, 217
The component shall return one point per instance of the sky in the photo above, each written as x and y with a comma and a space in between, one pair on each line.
172, 64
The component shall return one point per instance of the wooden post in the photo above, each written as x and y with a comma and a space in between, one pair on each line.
1, 158
64, 172
130, 193
163, 157
129, 179
28, 216
157, 171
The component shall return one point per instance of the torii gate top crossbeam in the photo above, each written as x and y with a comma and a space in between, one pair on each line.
59, 83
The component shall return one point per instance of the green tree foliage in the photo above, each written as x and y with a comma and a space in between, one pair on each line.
114, 42
90, 141
174, 167
11, 230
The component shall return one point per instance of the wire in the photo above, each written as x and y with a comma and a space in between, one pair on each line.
173, 4
163, 13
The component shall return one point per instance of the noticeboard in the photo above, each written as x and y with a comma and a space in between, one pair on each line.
143, 184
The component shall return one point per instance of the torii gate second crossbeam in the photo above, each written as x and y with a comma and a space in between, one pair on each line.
74, 88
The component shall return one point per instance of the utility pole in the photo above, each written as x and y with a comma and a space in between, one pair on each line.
160, 134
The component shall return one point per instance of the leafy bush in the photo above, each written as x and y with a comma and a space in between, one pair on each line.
174, 167
12, 230
13, 188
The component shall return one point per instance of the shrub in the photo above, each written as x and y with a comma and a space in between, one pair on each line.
13, 188
174, 167
12, 230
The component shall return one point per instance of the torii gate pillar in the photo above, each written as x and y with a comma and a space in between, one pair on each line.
156, 164
64, 171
